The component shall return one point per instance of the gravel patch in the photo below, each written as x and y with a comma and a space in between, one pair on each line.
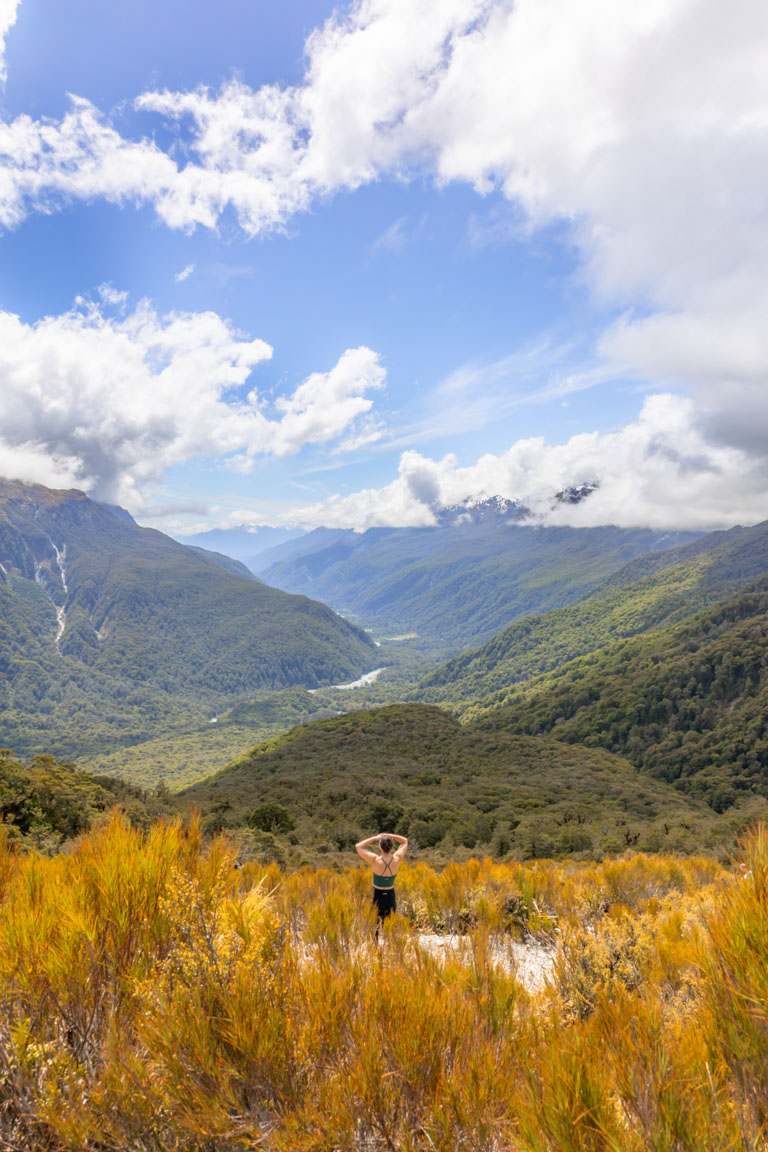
532, 963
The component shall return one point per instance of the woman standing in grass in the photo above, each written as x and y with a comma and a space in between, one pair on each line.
384, 867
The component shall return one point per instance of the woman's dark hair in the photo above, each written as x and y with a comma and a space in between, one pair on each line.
385, 844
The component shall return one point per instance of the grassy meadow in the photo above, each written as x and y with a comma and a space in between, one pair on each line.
157, 997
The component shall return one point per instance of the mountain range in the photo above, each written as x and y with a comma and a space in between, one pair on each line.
687, 703
624, 704
460, 581
651, 592
664, 663
242, 543
663, 666
109, 630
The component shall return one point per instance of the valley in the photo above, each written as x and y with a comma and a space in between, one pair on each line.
585, 796
383, 576
457, 583
629, 715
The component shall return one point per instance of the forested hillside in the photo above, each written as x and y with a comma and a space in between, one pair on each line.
459, 583
688, 703
651, 592
451, 788
109, 631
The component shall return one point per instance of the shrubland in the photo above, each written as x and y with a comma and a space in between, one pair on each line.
454, 790
44, 803
157, 997
309, 795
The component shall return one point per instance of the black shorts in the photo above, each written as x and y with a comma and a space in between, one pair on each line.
385, 901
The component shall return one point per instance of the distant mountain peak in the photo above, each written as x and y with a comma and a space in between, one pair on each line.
500, 510
575, 493
494, 510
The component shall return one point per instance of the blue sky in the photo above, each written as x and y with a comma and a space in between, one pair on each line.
278, 263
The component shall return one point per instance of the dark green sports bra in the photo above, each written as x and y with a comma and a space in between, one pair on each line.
384, 881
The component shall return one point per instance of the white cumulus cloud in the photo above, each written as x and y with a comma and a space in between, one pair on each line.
642, 126
109, 403
8, 10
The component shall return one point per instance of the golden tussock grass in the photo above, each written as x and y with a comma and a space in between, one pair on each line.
156, 998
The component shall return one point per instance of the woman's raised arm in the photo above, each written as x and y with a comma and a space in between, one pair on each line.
363, 852
403, 842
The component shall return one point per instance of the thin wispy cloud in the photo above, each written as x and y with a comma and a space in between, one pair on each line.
478, 396
392, 239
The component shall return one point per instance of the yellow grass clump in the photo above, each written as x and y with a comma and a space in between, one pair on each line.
156, 997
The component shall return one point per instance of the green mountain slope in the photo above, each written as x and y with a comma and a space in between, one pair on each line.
109, 631
650, 592
416, 770
459, 583
687, 703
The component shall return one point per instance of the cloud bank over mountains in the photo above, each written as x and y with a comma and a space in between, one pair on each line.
658, 471
642, 126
